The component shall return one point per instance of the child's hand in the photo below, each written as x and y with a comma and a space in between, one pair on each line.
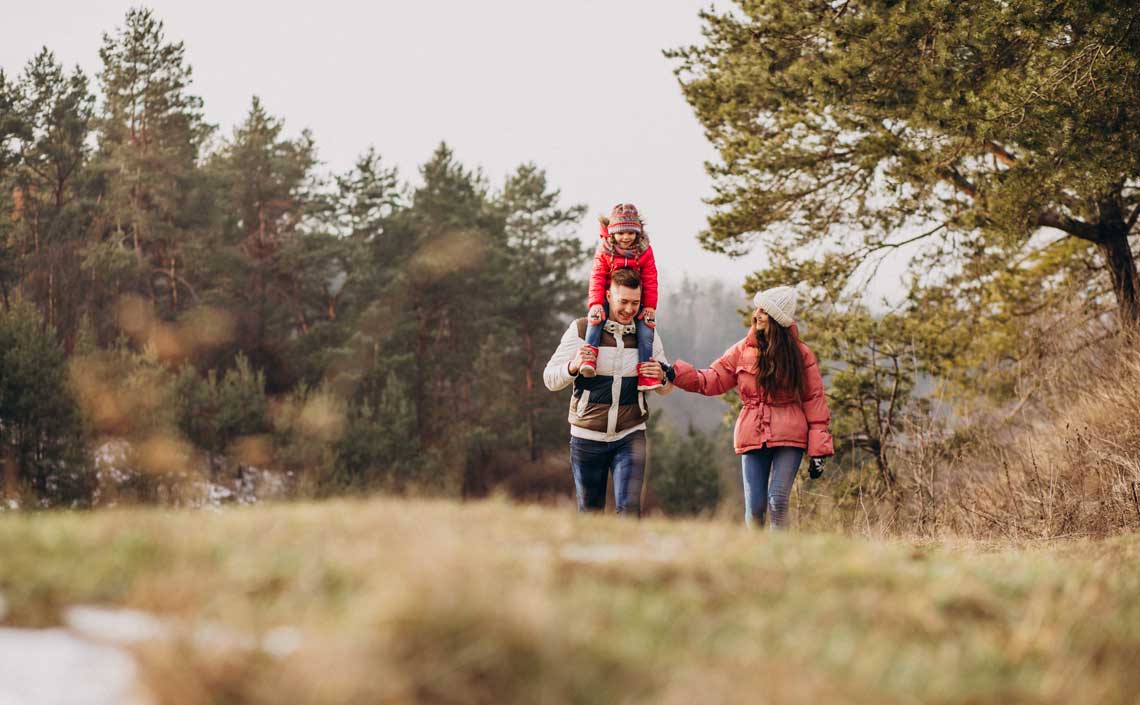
650, 316
597, 314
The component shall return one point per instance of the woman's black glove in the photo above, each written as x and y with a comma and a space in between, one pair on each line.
670, 373
815, 468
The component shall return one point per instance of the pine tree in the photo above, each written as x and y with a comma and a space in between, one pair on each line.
11, 128
453, 300
272, 273
542, 288
41, 438
848, 130
10, 123
151, 134
52, 213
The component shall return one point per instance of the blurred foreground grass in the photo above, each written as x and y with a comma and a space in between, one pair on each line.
434, 602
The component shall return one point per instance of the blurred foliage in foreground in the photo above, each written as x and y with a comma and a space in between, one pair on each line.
540, 605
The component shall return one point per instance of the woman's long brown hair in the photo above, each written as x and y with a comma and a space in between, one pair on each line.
779, 364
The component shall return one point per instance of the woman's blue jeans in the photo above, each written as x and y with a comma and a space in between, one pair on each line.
768, 477
644, 336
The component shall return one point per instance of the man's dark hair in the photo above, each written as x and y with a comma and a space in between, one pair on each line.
627, 277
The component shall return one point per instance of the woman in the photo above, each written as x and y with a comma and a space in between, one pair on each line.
784, 410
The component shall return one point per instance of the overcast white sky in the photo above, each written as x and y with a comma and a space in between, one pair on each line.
580, 88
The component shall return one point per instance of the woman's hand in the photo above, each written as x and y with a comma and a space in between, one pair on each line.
815, 467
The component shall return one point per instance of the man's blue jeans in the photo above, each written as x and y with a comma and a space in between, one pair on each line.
591, 462
768, 477
644, 335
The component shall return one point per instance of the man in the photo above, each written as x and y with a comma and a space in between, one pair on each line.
607, 413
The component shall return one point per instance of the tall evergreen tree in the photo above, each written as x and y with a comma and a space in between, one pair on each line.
11, 128
543, 287
10, 124
51, 212
267, 182
453, 292
150, 142
366, 199
370, 338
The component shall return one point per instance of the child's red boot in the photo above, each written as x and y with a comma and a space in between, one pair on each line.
589, 368
645, 384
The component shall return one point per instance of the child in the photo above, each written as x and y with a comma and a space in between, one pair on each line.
624, 244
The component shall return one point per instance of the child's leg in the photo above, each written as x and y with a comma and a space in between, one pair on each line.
645, 354
594, 334
594, 339
644, 341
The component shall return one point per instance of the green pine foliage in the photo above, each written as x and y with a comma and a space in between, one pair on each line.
223, 304
685, 472
155, 200
42, 441
992, 143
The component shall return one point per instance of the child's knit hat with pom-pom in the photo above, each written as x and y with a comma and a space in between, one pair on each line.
624, 218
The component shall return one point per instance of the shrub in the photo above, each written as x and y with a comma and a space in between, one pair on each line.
41, 435
683, 474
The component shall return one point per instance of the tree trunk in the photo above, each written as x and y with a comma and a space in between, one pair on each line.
528, 400
173, 286
10, 471
419, 392
1122, 269
51, 297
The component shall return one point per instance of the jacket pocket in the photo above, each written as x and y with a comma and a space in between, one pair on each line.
583, 401
746, 384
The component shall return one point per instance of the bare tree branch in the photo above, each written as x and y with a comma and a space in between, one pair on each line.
1003, 155
1074, 227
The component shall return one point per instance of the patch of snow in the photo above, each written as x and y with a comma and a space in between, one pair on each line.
111, 459
114, 626
245, 486
216, 494
54, 667
123, 627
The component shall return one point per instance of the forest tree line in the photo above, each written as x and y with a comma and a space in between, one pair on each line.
216, 298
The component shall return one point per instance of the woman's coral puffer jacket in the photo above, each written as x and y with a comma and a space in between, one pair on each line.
781, 419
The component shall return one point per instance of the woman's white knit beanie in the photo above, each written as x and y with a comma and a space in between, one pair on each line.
779, 302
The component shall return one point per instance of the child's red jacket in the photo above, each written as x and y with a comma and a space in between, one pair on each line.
607, 260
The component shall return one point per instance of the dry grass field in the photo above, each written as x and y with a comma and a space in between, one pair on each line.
433, 602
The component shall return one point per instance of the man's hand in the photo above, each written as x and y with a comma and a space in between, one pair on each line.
652, 369
586, 352
596, 315
649, 315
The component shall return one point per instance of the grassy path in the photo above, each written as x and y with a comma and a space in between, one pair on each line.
488, 603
